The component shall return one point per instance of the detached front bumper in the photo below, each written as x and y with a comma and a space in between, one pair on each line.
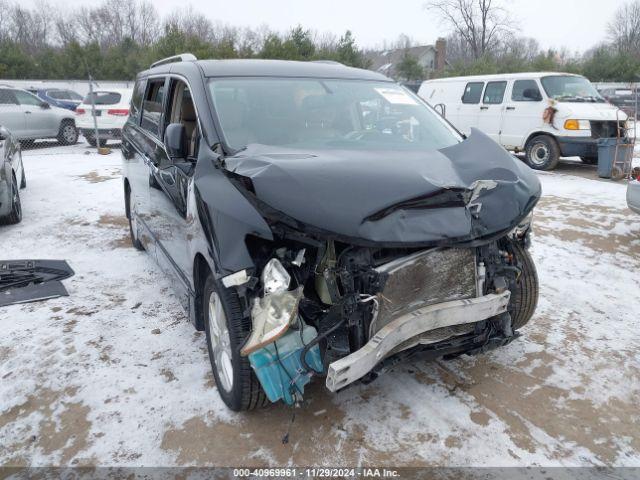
410, 326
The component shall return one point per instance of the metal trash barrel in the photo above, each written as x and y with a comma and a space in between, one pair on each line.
612, 152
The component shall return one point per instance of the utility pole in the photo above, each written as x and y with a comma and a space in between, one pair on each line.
93, 112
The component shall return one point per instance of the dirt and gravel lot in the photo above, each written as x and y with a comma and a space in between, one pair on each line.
116, 375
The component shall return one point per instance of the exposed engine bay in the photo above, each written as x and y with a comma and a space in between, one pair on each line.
346, 312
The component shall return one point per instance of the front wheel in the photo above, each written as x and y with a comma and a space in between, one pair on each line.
543, 153
68, 134
524, 298
15, 215
226, 329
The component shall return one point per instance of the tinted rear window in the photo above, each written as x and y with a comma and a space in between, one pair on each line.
103, 98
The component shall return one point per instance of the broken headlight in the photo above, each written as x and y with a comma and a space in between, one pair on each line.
274, 277
272, 313
523, 227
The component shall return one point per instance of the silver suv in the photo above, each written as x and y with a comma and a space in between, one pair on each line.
29, 118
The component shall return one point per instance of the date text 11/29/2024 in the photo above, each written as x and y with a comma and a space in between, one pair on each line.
316, 472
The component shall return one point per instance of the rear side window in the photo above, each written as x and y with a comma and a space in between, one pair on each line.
25, 98
7, 97
473, 92
152, 106
494, 93
526, 91
103, 98
136, 100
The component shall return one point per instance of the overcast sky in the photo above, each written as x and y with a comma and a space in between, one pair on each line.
574, 24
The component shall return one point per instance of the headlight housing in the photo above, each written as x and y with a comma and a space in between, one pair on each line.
273, 313
275, 278
573, 124
523, 226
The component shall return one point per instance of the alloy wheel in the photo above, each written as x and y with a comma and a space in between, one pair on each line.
220, 342
69, 133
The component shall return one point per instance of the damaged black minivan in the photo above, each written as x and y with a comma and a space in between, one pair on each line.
321, 220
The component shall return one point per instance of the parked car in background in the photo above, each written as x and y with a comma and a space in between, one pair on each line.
322, 220
545, 115
28, 117
12, 178
111, 111
623, 98
58, 97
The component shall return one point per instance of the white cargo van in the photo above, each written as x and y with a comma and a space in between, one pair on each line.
510, 108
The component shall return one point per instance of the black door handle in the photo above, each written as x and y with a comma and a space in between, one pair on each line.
511, 108
484, 108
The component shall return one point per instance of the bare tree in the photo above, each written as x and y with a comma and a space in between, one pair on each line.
31, 28
191, 23
480, 23
111, 22
624, 29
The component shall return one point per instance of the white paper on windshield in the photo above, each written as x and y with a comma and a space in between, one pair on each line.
396, 96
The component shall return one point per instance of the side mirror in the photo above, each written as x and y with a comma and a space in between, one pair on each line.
45, 106
532, 94
175, 140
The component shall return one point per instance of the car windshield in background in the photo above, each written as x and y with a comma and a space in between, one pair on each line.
568, 88
103, 98
313, 113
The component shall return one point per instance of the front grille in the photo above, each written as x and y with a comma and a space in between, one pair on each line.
425, 278
607, 129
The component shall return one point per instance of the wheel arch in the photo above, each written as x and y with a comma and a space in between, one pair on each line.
537, 133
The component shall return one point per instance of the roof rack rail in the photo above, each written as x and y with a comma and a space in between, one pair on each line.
184, 57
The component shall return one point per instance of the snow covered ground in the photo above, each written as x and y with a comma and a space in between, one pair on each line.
116, 375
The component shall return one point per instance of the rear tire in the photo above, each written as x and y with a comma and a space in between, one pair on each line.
543, 153
15, 215
92, 141
524, 299
237, 384
23, 182
133, 227
68, 134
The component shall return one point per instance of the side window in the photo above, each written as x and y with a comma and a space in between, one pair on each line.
152, 106
136, 100
181, 110
526, 91
7, 97
494, 93
473, 92
25, 98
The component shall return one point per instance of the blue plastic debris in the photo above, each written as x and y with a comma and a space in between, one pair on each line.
279, 368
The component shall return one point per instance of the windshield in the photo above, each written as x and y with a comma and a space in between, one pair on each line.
313, 113
567, 88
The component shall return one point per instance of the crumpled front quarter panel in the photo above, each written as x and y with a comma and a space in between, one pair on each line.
229, 216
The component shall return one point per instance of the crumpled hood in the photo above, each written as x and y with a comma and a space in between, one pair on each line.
462, 193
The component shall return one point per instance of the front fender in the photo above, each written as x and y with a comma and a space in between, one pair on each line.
227, 218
